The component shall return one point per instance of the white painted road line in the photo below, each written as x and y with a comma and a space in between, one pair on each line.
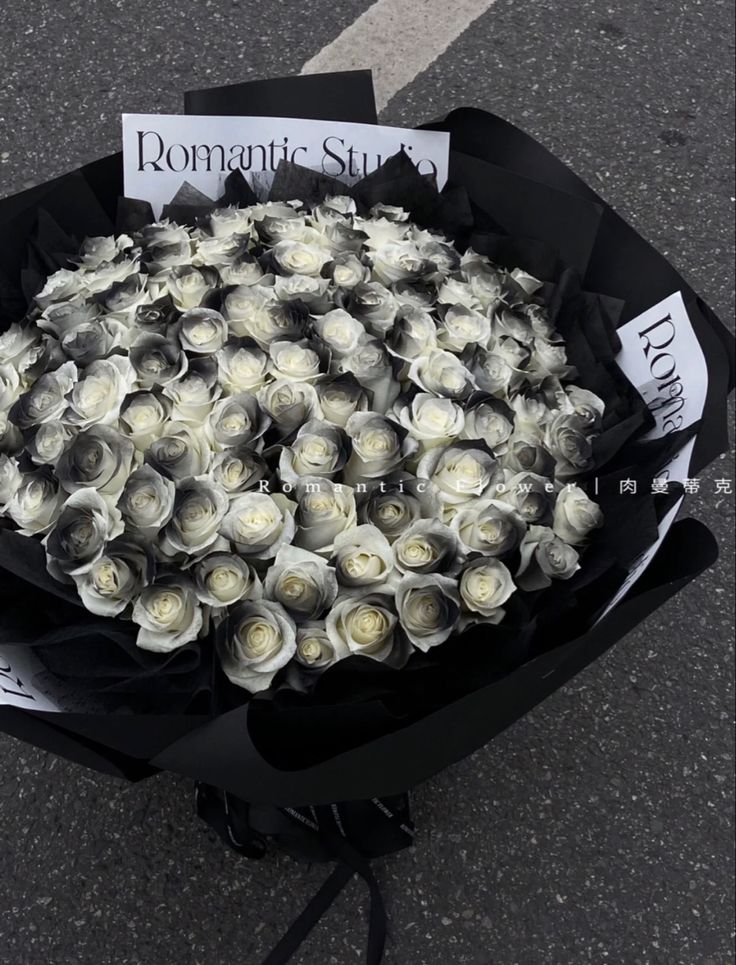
397, 39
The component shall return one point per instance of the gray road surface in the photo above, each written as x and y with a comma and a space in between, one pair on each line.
599, 828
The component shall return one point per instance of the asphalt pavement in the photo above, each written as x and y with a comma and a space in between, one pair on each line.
599, 828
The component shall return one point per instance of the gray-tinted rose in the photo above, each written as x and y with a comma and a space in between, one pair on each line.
301, 582
168, 614
242, 367
461, 327
568, 440
45, 401
48, 443
324, 509
339, 397
527, 455
202, 331
222, 579
489, 419
36, 502
10, 479
147, 500
181, 452
200, 506
84, 527
94, 340
239, 469
442, 373
429, 609
347, 270
380, 447
485, 585
413, 335
427, 546
488, 526
314, 649
99, 458
460, 471
193, 396
532, 497
187, 286
96, 397
492, 373
318, 450
399, 261
392, 508
544, 557
289, 404
258, 524
296, 258
371, 365
575, 515
237, 421
157, 360
373, 305
586, 406
259, 639
115, 579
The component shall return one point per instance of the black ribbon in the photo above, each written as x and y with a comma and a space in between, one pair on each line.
348, 834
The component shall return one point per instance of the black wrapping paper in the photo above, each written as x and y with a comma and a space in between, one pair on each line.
526, 206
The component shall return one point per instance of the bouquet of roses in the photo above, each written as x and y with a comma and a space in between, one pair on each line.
308, 497
320, 433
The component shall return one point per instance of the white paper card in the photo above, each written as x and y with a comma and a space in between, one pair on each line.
161, 151
662, 358
20, 675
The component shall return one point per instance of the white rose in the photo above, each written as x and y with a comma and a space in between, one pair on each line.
241, 367
46, 400
381, 231
294, 361
258, 524
339, 397
237, 420
432, 421
414, 334
36, 503
366, 624
96, 398
84, 526
63, 284
115, 579
461, 327
187, 286
488, 526
180, 452
168, 614
301, 582
202, 331
147, 500
426, 546
428, 608
575, 515
460, 471
489, 419
200, 506
396, 261
348, 270
379, 447
10, 480
19, 346
318, 450
296, 258
289, 404
9, 386
246, 309
442, 373
454, 291
260, 639
194, 395
324, 509
363, 557
222, 579
339, 331
304, 287
48, 443
544, 557
314, 649
485, 585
